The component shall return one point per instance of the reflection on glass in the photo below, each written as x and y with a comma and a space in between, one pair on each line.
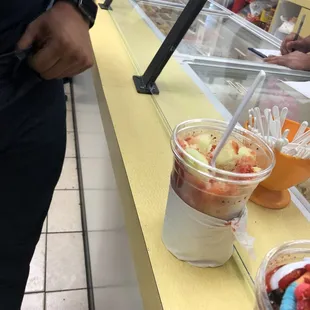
210, 34
229, 85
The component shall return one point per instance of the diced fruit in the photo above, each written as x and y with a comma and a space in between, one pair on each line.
183, 143
291, 277
308, 267
227, 158
197, 155
244, 151
233, 157
204, 143
302, 291
303, 305
245, 168
257, 169
221, 189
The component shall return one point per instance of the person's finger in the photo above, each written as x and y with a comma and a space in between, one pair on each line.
284, 50
45, 58
295, 45
55, 71
69, 72
72, 73
78, 66
279, 60
270, 58
30, 35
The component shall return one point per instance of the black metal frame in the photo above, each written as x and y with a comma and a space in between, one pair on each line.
106, 5
145, 84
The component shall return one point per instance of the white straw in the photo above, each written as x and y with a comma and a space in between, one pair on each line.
283, 115
268, 117
259, 121
259, 79
300, 130
302, 137
275, 112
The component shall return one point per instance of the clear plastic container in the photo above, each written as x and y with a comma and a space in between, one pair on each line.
217, 193
289, 252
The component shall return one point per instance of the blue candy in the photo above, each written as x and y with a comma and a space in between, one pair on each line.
289, 300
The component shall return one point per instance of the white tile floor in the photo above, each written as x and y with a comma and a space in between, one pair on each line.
113, 273
57, 279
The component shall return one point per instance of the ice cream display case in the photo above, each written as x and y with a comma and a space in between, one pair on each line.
228, 84
206, 79
215, 32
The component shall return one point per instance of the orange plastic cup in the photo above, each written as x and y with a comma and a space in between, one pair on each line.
289, 171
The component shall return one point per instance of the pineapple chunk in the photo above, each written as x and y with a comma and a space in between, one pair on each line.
227, 158
204, 143
197, 155
245, 151
256, 169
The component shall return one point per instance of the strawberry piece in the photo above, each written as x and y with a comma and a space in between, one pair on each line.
303, 304
308, 267
183, 143
221, 189
268, 277
302, 291
291, 277
244, 168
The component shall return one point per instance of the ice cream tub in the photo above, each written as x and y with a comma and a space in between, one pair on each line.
206, 210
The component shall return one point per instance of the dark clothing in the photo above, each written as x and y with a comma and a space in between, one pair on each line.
32, 148
15, 15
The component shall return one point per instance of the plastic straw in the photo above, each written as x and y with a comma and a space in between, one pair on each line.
283, 116
246, 99
300, 130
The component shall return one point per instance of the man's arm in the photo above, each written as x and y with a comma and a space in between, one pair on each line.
62, 40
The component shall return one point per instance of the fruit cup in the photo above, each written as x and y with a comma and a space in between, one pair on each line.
206, 205
289, 252
289, 171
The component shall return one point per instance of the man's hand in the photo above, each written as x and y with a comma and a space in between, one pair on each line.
289, 45
63, 42
296, 60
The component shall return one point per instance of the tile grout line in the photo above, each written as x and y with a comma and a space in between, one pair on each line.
59, 291
117, 229
45, 266
89, 281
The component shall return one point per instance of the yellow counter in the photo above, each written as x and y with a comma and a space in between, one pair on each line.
136, 128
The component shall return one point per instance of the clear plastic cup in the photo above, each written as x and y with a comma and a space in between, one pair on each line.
289, 252
215, 192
